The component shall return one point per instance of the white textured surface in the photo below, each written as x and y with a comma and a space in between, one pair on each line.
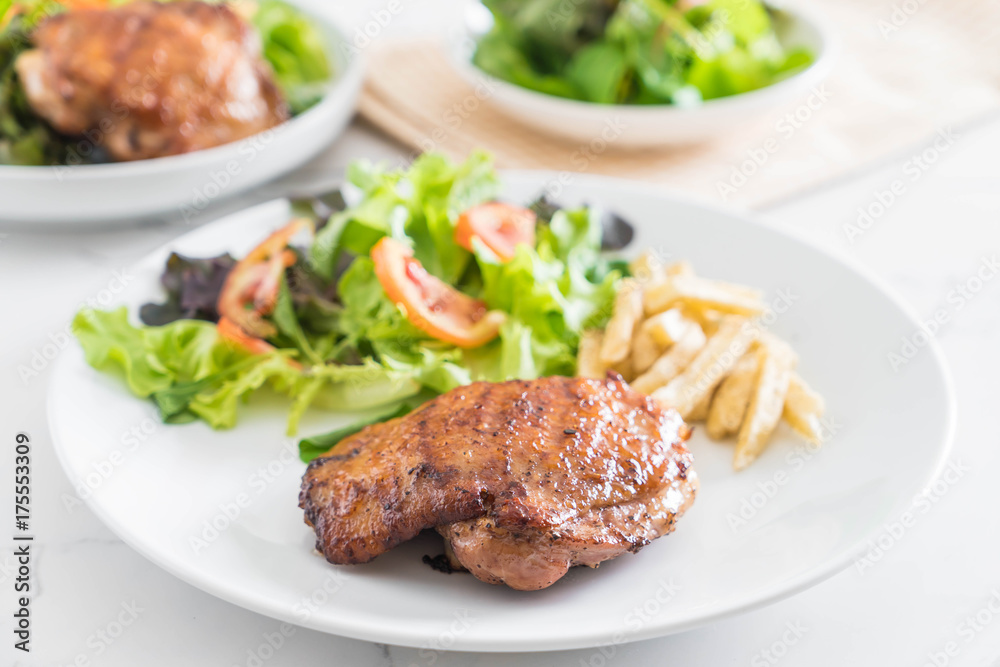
913, 602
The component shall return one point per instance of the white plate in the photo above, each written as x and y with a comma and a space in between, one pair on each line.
639, 126
123, 192
892, 432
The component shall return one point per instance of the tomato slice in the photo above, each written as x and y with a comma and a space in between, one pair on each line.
431, 305
251, 288
236, 335
501, 227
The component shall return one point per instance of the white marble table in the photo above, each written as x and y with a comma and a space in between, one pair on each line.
911, 607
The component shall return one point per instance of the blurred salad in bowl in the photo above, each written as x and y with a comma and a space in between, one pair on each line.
633, 74
637, 52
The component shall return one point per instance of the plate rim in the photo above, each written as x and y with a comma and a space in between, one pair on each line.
401, 636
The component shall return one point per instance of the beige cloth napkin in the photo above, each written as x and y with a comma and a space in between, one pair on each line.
909, 71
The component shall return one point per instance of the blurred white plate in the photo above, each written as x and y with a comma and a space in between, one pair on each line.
219, 509
121, 193
638, 126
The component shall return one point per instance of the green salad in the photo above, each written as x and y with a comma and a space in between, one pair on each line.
292, 45
636, 51
425, 283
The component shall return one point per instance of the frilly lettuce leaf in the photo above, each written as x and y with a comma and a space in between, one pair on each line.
190, 372
552, 292
417, 206
635, 51
296, 51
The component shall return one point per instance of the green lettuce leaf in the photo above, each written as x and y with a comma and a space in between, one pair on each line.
110, 342
368, 315
553, 293
296, 51
190, 372
318, 445
417, 206
289, 326
601, 71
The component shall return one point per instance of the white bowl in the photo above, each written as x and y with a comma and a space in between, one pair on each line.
638, 126
125, 192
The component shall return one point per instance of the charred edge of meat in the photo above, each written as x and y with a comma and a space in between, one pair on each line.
440, 563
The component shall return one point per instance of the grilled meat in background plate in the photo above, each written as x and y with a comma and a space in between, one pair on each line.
524, 479
150, 79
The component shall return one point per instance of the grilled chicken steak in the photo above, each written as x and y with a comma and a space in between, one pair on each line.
149, 79
524, 479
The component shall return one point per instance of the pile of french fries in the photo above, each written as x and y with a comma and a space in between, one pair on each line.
698, 346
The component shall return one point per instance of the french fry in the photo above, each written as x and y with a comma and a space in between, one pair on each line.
588, 358
672, 362
713, 363
645, 350
627, 312
693, 345
732, 398
681, 268
708, 319
648, 268
776, 362
667, 327
803, 410
704, 294
700, 412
